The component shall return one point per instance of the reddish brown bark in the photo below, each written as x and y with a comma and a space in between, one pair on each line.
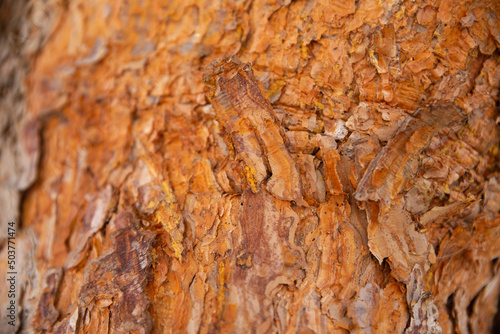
339, 174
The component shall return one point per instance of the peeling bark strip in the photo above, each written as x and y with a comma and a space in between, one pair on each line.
252, 127
398, 160
114, 283
46, 313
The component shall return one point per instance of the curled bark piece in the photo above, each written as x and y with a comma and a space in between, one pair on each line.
398, 160
250, 122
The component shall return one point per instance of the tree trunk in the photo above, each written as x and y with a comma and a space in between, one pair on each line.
251, 167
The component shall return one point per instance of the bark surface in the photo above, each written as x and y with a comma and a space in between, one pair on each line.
251, 166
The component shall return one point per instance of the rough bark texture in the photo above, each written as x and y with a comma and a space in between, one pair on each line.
339, 174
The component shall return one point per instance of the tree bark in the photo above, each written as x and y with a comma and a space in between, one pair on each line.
252, 167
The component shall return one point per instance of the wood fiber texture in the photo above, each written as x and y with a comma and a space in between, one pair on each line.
254, 166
